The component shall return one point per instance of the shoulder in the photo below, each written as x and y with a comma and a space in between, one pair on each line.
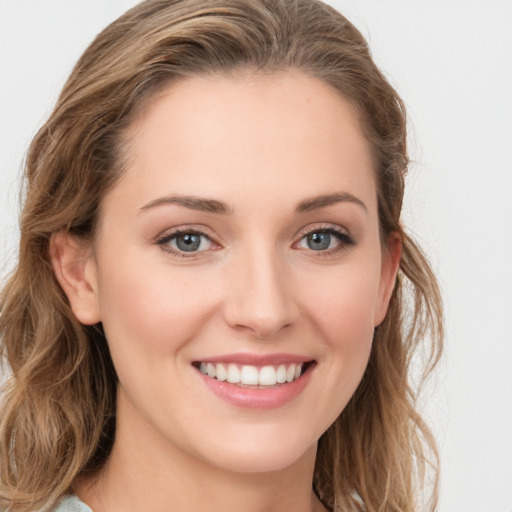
71, 504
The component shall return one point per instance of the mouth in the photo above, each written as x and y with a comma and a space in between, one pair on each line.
256, 381
253, 376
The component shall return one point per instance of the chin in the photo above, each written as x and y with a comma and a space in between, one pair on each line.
262, 454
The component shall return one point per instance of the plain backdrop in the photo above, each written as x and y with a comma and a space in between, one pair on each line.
451, 61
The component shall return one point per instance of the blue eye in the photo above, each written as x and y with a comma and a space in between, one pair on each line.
189, 242
185, 242
318, 241
325, 239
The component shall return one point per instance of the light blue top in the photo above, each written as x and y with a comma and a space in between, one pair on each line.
71, 504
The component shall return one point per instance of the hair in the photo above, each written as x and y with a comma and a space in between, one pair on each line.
58, 414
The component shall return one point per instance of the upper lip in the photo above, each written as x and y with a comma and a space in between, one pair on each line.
256, 359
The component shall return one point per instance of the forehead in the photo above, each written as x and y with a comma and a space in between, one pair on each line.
229, 136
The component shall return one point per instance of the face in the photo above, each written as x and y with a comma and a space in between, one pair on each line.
238, 270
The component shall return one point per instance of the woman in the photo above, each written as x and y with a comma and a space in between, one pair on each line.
216, 305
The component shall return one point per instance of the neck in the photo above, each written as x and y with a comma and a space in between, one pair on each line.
147, 473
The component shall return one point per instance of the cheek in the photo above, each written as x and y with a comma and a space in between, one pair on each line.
342, 309
347, 330
154, 310
343, 304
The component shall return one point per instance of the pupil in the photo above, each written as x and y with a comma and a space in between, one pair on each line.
319, 241
188, 242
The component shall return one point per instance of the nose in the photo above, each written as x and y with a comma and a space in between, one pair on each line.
259, 297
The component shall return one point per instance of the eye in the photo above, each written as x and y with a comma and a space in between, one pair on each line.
325, 240
181, 242
319, 241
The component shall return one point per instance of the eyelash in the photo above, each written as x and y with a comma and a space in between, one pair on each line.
345, 241
164, 241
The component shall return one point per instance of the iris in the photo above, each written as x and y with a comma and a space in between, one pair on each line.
188, 242
319, 241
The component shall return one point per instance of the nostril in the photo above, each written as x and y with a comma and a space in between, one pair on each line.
263, 303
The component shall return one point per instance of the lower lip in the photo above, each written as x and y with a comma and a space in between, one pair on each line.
262, 398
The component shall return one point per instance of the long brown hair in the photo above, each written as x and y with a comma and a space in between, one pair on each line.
58, 413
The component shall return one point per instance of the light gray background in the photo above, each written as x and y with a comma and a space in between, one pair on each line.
452, 63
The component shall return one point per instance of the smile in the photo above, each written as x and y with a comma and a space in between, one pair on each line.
249, 375
256, 382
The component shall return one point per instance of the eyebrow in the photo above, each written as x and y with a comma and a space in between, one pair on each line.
193, 203
214, 206
315, 203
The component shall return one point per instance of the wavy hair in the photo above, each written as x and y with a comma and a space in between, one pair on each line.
57, 418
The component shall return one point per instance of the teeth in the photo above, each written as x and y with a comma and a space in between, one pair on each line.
233, 374
281, 374
221, 372
210, 370
267, 376
251, 375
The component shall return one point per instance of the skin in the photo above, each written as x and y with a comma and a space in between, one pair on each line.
261, 145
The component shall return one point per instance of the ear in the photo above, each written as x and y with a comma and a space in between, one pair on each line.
391, 255
75, 269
